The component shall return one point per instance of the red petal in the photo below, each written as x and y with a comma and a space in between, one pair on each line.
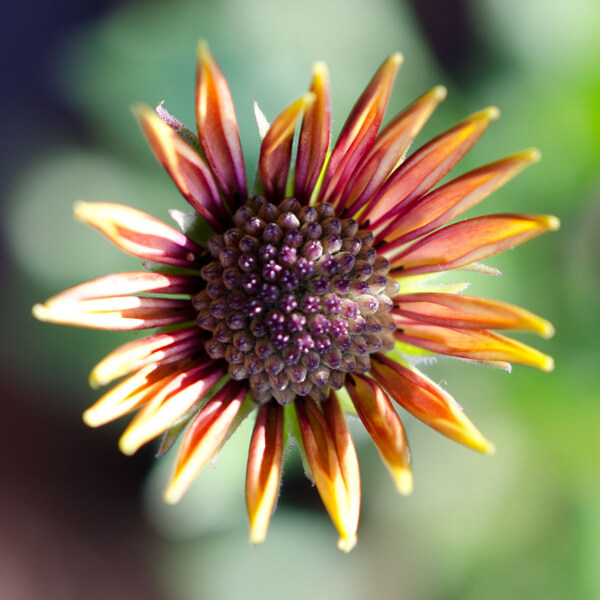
276, 149
140, 234
185, 166
314, 137
359, 130
217, 128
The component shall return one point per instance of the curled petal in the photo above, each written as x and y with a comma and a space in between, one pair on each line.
466, 242
426, 167
140, 234
132, 393
314, 137
474, 344
263, 474
385, 428
428, 402
332, 459
430, 212
185, 166
120, 313
170, 404
389, 150
217, 128
159, 348
205, 435
276, 148
359, 130
468, 312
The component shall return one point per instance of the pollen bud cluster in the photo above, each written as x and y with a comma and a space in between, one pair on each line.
295, 299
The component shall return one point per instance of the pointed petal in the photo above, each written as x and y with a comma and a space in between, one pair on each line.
140, 234
430, 212
360, 130
132, 393
189, 137
385, 428
204, 437
314, 137
134, 282
172, 402
428, 402
263, 474
276, 149
471, 344
426, 167
218, 130
389, 150
332, 459
185, 166
159, 348
120, 313
468, 312
471, 240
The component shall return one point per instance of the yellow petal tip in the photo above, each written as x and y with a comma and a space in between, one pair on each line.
532, 155
439, 92
547, 364
128, 445
403, 480
40, 312
396, 59
551, 222
319, 69
172, 495
491, 113
257, 536
92, 419
346, 544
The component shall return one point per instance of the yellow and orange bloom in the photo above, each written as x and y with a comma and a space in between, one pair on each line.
303, 287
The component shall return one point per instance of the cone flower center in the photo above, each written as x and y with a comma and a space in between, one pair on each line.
295, 299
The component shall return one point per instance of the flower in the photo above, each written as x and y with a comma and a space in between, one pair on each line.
310, 299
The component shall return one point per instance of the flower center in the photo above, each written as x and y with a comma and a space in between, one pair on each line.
295, 299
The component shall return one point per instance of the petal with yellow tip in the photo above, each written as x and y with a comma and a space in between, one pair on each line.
217, 128
427, 402
466, 242
385, 428
185, 166
313, 142
426, 213
388, 151
475, 344
332, 459
263, 474
203, 438
137, 233
170, 404
468, 312
359, 130
425, 168
276, 149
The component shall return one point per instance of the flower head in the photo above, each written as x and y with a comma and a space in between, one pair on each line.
301, 289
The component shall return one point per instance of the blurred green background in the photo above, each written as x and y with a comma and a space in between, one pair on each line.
80, 521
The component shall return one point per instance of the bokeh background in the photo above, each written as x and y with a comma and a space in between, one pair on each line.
77, 520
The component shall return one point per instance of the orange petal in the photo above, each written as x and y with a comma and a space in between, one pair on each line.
428, 402
426, 167
468, 312
217, 128
185, 166
385, 428
466, 242
314, 137
170, 404
140, 234
205, 435
332, 459
276, 149
158, 348
474, 344
359, 130
120, 313
430, 212
389, 150
263, 474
